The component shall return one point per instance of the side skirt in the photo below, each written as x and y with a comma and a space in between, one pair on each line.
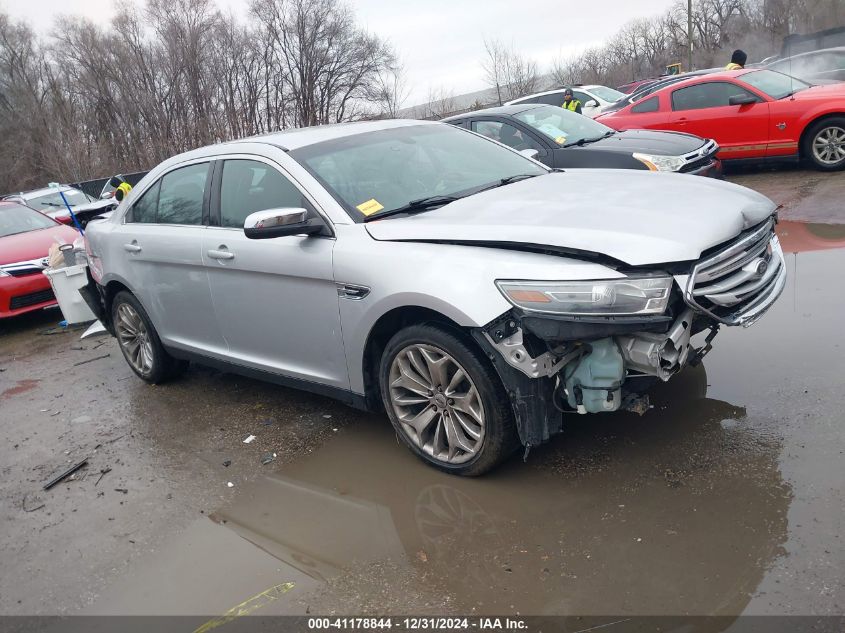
345, 396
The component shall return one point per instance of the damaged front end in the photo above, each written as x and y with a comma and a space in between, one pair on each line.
595, 346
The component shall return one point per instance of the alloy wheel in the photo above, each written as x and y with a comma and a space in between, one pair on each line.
829, 145
437, 403
134, 338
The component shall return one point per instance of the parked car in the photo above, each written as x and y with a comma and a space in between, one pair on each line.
562, 138
814, 67
593, 98
631, 86
25, 239
421, 269
751, 114
49, 201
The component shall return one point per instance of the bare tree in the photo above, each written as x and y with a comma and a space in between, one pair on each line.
511, 74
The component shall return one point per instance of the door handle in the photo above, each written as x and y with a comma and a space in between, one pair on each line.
221, 255
132, 248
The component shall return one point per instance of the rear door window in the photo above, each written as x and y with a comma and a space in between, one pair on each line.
176, 198
181, 195
649, 105
144, 210
555, 99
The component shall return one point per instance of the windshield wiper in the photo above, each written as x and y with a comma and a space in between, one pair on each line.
506, 181
584, 141
422, 204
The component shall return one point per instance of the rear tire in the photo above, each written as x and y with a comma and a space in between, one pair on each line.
824, 144
139, 342
446, 401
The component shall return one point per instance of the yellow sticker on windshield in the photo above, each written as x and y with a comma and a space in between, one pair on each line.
370, 206
560, 140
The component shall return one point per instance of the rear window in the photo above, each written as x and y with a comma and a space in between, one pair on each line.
15, 219
649, 105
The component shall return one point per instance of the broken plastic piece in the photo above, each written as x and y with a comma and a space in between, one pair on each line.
249, 439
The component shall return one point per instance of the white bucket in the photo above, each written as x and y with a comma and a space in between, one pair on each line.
66, 283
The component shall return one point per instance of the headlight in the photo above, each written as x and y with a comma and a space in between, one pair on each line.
605, 297
660, 163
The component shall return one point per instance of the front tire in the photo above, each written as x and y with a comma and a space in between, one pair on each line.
446, 401
139, 342
824, 144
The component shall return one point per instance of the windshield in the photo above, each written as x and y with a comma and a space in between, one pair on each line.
608, 94
377, 172
15, 218
563, 126
52, 200
774, 84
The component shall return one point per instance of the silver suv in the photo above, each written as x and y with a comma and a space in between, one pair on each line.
469, 291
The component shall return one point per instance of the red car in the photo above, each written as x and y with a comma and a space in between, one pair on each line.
750, 114
25, 239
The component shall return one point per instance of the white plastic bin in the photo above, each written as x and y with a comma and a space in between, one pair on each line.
66, 283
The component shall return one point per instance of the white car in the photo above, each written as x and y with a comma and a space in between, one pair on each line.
420, 269
593, 98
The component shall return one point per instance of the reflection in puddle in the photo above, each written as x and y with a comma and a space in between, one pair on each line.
622, 515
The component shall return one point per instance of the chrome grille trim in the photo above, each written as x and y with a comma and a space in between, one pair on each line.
739, 283
19, 269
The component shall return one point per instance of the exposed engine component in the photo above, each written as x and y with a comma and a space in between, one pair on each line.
661, 355
595, 383
513, 351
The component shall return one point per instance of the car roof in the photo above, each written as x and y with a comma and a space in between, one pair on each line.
36, 193
505, 110
296, 138
710, 76
820, 51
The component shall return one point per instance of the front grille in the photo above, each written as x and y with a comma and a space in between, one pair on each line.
23, 271
737, 283
700, 158
33, 298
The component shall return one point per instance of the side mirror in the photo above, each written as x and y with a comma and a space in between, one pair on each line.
591, 103
263, 225
530, 153
742, 100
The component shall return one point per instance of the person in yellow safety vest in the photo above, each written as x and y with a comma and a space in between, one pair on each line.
121, 187
738, 60
570, 102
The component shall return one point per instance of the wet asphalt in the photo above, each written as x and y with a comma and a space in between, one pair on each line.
725, 498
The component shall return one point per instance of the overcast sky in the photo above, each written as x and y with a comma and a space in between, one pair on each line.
439, 41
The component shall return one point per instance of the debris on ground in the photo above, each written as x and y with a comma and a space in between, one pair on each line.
267, 458
249, 439
103, 473
123, 490
636, 403
230, 484
91, 360
227, 463
36, 504
65, 474
96, 328
327, 416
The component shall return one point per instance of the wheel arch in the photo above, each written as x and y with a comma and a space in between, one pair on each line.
810, 124
383, 329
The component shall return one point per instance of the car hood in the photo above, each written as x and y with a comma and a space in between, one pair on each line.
23, 247
635, 217
649, 142
824, 92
